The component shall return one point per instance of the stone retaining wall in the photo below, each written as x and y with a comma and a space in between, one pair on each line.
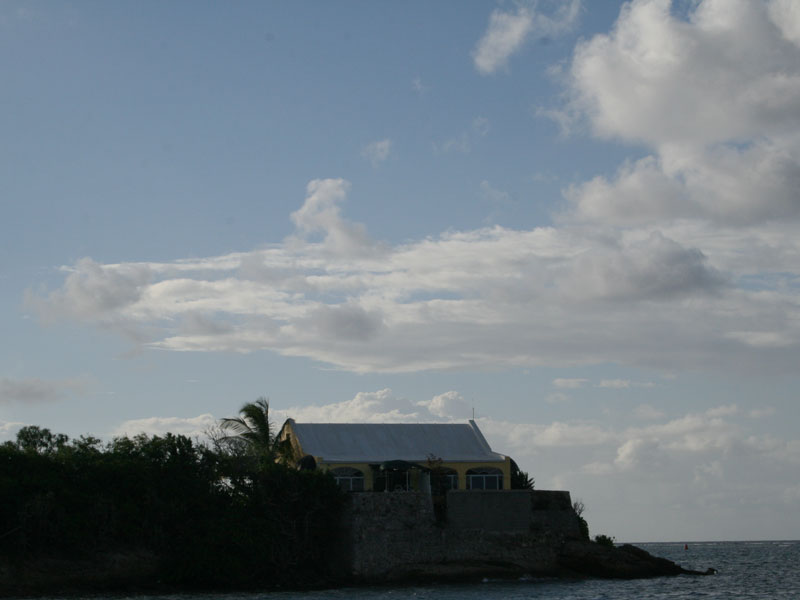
489, 511
396, 535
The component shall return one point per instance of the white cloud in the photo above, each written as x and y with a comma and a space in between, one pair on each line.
509, 30
450, 405
188, 426
694, 245
505, 36
320, 214
377, 152
785, 14
717, 96
94, 291
723, 74
457, 300
378, 407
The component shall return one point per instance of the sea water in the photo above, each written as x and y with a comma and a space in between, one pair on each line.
763, 570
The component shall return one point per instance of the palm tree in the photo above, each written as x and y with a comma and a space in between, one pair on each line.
253, 430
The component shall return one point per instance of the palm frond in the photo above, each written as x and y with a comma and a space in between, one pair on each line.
253, 426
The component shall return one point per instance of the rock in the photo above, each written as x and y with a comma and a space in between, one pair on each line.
589, 559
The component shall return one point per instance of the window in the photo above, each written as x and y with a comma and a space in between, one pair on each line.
349, 479
485, 478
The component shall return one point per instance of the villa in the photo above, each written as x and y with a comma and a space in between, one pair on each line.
394, 457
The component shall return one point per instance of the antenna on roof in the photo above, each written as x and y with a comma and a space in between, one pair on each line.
473, 412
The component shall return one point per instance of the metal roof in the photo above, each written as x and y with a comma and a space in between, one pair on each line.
380, 442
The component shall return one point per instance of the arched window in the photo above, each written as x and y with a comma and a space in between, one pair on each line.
485, 478
349, 479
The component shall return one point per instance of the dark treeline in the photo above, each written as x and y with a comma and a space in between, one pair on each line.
205, 516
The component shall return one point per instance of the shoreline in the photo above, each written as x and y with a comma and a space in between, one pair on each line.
133, 575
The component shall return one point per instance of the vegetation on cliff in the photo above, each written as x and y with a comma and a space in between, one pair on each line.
203, 516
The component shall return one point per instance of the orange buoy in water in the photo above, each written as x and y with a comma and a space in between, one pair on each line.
686, 546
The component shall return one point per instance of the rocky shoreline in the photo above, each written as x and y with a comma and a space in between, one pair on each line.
570, 560
136, 573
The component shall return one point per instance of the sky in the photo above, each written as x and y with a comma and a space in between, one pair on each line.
578, 221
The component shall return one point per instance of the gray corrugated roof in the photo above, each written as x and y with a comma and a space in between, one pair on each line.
380, 442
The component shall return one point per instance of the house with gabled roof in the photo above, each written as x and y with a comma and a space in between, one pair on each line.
399, 456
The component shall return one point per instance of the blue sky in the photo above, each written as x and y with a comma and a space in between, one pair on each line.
579, 219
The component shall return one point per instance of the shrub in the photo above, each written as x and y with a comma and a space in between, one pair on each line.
604, 540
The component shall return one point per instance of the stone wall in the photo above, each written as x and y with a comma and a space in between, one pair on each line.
489, 511
396, 535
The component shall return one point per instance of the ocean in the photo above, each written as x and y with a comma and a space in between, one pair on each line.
763, 570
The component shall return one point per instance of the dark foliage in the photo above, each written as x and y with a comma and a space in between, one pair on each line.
520, 480
579, 507
604, 540
211, 519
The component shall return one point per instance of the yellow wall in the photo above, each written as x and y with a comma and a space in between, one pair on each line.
459, 467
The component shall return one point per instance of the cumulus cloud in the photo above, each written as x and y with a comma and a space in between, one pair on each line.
381, 406
449, 405
508, 31
722, 74
320, 214
715, 95
377, 152
94, 291
35, 390
188, 426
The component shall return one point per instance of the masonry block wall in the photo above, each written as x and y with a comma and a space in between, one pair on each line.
390, 535
489, 511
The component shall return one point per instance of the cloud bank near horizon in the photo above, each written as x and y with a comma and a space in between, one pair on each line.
686, 467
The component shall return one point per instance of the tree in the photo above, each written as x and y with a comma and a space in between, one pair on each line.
579, 507
252, 430
40, 440
520, 480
